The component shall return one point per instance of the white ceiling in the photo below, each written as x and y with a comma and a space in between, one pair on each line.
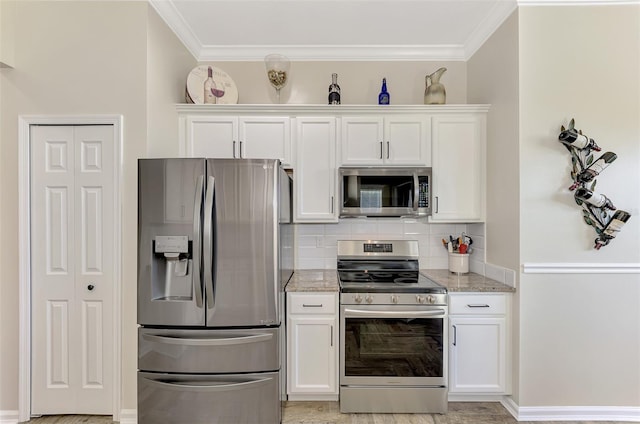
333, 29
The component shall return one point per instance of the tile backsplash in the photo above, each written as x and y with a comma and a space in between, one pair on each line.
315, 244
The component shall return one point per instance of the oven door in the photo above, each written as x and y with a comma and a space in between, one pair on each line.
393, 345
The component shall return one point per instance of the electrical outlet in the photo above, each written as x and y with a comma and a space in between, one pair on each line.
319, 241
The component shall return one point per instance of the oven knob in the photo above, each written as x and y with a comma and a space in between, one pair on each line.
420, 299
431, 299
369, 299
394, 298
358, 298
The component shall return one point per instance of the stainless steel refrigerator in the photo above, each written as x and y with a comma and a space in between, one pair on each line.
215, 249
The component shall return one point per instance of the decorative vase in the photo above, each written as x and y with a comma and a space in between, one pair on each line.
434, 93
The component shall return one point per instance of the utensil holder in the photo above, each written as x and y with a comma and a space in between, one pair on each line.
459, 263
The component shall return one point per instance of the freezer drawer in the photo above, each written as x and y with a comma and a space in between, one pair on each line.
208, 351
221, 399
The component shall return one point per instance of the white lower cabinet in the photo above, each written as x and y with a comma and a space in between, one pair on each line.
312, 346
478, 344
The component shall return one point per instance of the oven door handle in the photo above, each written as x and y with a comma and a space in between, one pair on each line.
393, 314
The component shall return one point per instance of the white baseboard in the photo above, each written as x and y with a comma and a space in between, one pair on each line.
128, 416
572, 413
461, 397
9, 417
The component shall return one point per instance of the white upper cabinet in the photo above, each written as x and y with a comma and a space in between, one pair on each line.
394, 140
238, 137
458, 161
315, 173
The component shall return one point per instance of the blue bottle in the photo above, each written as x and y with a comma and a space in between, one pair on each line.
383, 97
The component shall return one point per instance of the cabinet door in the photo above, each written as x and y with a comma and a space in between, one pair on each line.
407, 141
458, 161
315, 170
211, 136
477, 355
362, 141
312, 358
265, 138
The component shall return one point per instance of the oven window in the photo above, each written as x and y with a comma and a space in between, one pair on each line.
393, 347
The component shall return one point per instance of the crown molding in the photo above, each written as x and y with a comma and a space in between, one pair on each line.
500, 12
178, 25
410, 52
577, 2
335, 53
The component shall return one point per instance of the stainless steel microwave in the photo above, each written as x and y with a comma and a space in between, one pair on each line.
385, 192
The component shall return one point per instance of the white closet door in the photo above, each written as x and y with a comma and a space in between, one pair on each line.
72, 274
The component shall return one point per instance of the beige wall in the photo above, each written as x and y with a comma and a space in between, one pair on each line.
579, 334
359, 81
76, 58
168, 64
493, 79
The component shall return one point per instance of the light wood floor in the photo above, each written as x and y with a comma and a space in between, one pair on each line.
329, 413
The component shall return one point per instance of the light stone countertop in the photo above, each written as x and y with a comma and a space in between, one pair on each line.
326, 280
314, 280
470, 282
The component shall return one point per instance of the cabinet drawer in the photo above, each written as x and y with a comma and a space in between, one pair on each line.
481, 304
312, 303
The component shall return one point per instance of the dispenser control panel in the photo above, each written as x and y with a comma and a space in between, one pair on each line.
172, 244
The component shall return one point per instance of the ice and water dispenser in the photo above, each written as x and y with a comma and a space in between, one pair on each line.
172, 268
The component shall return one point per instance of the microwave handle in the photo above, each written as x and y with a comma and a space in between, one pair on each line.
416, 191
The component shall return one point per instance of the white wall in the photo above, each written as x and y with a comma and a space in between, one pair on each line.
579, 333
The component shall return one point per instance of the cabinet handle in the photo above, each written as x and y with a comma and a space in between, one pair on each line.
455, 335
241, 150
478, 306
331, 204
234, 149
311, 305
388, 150
381, 150
331, 341
436, 205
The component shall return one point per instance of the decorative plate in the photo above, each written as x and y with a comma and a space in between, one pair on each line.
226, 93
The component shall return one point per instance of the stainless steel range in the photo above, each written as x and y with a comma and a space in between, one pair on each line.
393, 330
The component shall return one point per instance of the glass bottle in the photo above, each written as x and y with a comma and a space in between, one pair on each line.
209, 87
616, 223
573, 138
334, 90
588, 174
383, 97
595, 199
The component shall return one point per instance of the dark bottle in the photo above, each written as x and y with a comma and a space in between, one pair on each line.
383, 97
588, 174
595, 199
334, 90
573, 138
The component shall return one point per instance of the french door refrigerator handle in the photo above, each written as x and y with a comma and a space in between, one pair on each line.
197, 241
223, 341
208, 240
211, 388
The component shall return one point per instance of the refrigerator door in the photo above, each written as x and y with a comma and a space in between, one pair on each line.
170, 196
241, 272
208, 351
206, 399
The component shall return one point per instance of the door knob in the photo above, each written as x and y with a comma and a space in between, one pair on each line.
90, 287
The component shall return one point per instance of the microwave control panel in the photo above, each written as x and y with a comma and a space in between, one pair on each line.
423, 192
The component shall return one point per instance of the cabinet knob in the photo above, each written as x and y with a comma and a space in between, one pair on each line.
90, 287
